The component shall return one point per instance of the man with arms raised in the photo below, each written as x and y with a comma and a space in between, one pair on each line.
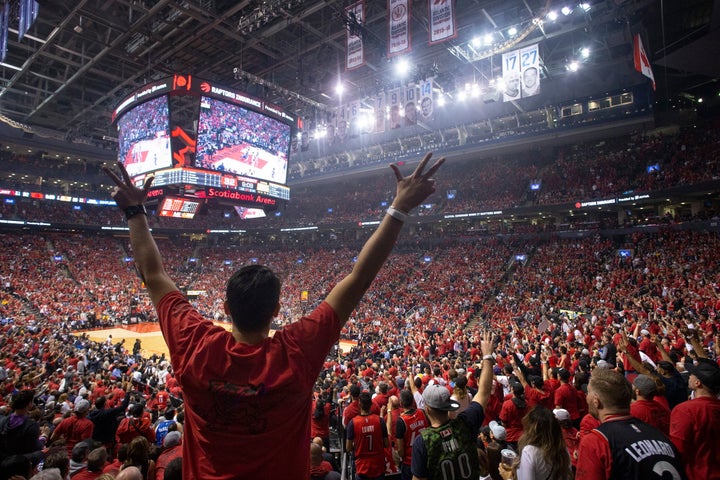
447, 448
246, 394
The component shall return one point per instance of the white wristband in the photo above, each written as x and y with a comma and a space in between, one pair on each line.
397, 214
489, 357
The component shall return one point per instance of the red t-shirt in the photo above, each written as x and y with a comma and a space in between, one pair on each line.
652, 413
511, 417
245, 403
694, 427
566, 397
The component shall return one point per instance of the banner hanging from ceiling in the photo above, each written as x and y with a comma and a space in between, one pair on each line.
442, 20
521, 73
355, 53
398, 21
4, 20
426, 100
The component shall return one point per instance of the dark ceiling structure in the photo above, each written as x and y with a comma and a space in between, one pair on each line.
80, 58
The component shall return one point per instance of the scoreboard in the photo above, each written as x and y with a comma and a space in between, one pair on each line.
233, 150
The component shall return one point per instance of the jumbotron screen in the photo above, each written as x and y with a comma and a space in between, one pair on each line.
233, 139
144, 137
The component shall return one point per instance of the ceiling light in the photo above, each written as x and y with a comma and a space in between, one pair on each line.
552, 15
476, 42
573, 66
512, 31
585, 52
402, 67
566, 11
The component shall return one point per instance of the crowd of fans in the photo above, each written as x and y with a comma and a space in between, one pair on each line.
558, 307
566, 303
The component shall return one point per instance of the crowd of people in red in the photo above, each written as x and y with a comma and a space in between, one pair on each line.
575, 304
559, 308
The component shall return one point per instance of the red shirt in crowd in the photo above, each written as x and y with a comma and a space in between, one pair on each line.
695, 432
245, 403
650, 411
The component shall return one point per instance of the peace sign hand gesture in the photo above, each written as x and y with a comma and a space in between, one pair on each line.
126, 194
412, 190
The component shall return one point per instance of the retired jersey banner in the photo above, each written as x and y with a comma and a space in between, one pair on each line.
511, 75
398, 27
442, 20
521, 73
530, 70
395, 100
411, 106
380, 109
426, 99
355, 53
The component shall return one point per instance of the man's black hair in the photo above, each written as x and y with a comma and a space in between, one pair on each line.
365, 402
253, 293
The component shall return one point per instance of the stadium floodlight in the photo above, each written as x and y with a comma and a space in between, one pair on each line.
462, 95
339, 88
489, 39
573, 66
585, 6
512, 31
441, 100
500, 84
585, 52
552, 15
402, 67
566, 10
476, 42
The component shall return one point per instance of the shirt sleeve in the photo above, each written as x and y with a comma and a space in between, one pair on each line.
400, 428
350, 432
526, 468
594, 458
419, 458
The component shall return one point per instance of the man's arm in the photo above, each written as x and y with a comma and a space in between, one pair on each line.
486, 374
411, 191
145, 251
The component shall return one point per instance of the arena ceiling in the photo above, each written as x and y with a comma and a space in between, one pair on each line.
80, 58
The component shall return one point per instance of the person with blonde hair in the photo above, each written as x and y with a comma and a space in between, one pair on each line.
460, 395
543, 454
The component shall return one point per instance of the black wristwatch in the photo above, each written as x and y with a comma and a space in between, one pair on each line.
133, 210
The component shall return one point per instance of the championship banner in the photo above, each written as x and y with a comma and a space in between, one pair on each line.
380, 109
411, 106
395, 99
442, 20
530, 66
426, 99
398, 27
642, 64
355, 53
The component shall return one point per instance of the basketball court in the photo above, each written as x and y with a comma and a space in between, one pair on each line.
152, 341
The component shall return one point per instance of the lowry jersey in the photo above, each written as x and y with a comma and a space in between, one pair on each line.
367, 433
